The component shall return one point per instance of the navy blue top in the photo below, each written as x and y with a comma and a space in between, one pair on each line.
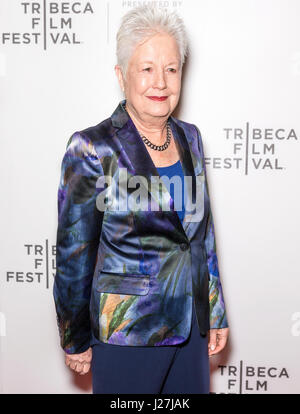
170, 171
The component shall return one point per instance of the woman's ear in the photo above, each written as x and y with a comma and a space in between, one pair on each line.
120, 77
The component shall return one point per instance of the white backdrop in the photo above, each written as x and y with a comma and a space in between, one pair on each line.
241, 88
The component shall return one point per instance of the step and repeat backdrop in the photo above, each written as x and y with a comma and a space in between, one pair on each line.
241, 87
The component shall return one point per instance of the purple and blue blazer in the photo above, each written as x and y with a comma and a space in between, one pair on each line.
132, 277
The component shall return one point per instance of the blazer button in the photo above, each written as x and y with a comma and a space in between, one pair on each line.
184, 246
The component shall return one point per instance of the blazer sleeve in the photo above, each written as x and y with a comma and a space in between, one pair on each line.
218, 317
78, 233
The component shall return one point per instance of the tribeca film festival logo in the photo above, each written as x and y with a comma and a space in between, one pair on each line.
49, 23
115, 194
43, 265
250, 379
253, 149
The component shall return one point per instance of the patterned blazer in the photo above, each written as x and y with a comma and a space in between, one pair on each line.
132, 277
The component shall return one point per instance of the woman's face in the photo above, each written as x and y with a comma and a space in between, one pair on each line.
153, 71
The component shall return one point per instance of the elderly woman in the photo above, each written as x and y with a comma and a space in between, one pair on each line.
137, 290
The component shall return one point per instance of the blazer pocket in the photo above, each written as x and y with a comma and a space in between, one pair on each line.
123, 283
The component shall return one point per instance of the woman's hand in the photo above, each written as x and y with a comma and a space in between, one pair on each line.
217, 340
79, 362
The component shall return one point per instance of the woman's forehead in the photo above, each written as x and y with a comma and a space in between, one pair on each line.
173, 62
156, 43
152, 55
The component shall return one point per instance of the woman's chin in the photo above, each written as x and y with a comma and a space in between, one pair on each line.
158, 108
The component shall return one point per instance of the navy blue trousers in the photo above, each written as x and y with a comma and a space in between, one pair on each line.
176, 369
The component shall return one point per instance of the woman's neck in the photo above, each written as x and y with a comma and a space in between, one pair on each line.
156, 128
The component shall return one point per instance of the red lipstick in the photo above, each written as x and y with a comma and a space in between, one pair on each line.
157, 98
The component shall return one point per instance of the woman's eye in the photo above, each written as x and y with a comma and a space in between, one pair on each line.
147, 69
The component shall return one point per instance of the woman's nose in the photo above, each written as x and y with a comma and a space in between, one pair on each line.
159, 80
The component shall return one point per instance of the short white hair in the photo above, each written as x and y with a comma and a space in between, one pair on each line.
141, 23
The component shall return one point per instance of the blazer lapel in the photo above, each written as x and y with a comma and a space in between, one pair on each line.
141, 163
